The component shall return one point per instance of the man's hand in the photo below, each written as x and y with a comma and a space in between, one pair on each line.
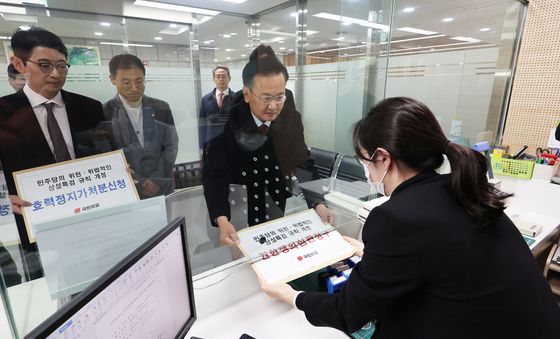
18, 204
324, 213
149, 188
358, 245
284, 292
228, 234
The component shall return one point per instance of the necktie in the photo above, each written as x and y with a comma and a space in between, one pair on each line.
220, 98
59, 145
263, 129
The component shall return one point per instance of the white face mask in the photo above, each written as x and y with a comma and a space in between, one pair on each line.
378, 185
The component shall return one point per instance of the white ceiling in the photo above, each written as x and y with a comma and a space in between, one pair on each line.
469, 17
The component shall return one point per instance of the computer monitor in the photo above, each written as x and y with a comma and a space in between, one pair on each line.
149, 294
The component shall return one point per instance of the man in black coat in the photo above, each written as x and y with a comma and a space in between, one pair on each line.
43, 124
262, 144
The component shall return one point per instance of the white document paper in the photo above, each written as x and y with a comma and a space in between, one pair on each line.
73, 187
291, 247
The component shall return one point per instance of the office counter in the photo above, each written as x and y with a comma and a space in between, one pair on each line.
235, 305
229, 301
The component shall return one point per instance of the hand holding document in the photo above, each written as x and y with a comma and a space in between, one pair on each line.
291, 247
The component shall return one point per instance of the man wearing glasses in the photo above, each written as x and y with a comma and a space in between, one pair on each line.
214, 108
142, 126
43, 124
260, 148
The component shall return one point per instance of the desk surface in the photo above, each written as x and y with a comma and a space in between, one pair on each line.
231, 303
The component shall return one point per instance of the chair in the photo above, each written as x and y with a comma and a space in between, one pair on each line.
324, 161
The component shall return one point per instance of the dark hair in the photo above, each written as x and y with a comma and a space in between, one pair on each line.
262, 61
125, 61
221, 67
409, 131
12, 71
23, 42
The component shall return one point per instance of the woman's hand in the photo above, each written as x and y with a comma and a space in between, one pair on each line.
284, 292
358, 245
324, 213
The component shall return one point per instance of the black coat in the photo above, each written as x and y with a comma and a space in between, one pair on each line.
231, 160
428, 271
23, 144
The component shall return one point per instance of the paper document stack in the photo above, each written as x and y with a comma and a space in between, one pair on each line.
288, 248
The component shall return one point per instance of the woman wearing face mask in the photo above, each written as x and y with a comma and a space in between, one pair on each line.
441, 259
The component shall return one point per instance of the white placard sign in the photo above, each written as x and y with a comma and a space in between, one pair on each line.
6, 216
72, 187
8, 228
291, 247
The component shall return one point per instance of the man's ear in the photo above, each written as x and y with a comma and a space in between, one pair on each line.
112, 78
246, 94
18, 64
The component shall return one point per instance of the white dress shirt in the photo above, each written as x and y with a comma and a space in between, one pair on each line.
59, 110
259, 122
134, 112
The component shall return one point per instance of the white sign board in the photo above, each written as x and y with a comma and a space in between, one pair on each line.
73, 187
291, 247
8, 228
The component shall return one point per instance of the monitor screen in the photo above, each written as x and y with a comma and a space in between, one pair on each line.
147, 295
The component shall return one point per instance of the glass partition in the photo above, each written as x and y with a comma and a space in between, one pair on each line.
342, 57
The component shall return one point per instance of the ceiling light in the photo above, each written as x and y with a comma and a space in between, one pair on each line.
243, 55
207, 42
282, 48
24, 27
98, 33
215, 60
158, 38
266, 31
125, 45
340, 38
174, 7
175, 30
229, 49
228, 58
346, 23
12, 10
360, 22
447, 19
235, 1
485, 29
19, 17
105, 24
226, 36
466, 39
281, 41
233, 34
416, 30
172, 25
294, 14
408, 9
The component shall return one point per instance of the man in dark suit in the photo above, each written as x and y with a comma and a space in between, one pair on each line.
43, 124
142, 126
260, 148
214, 108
